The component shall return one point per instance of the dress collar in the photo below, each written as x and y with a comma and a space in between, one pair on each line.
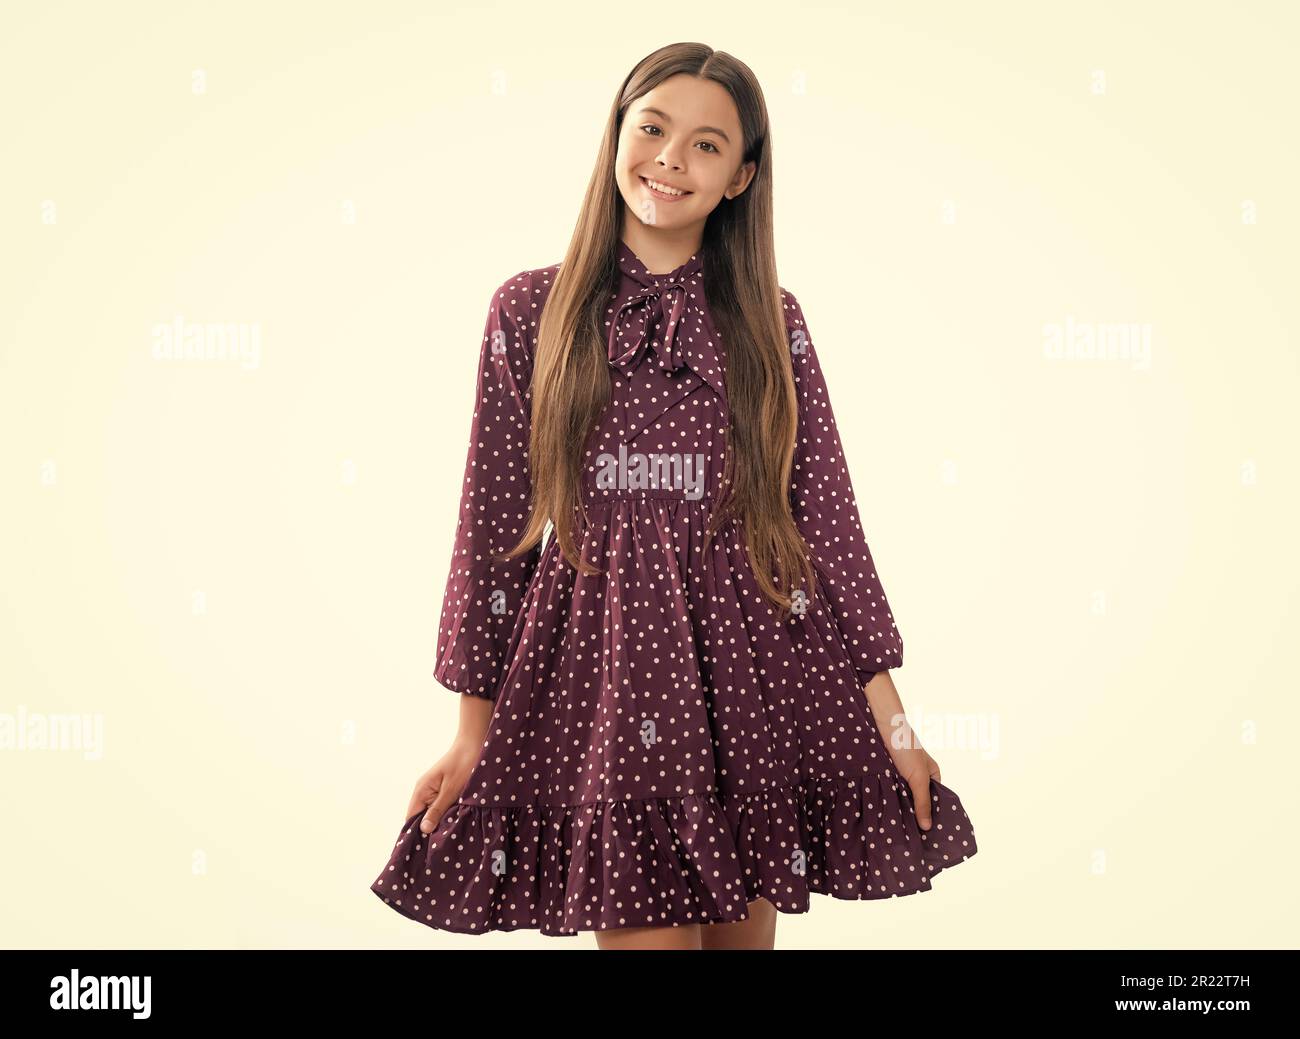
630, 264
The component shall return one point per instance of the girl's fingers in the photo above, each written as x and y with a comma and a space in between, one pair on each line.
434, 814
921, 799
424, 793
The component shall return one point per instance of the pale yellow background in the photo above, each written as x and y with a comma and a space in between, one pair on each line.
240, 570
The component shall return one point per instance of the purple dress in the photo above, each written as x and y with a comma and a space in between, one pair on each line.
663, 749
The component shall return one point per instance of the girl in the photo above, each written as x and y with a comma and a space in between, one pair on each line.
672, 715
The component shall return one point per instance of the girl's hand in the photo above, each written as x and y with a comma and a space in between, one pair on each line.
441, 785
916, 766
911, 760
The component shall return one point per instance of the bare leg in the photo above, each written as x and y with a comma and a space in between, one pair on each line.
758, 932
685, 936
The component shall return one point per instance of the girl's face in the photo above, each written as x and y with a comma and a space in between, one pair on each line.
684, 135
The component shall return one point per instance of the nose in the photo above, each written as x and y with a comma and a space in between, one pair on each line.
664, 159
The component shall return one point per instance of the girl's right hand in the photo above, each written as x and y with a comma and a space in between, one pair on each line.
443, 784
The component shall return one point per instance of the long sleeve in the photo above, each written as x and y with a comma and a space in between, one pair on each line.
483, 597
826, 511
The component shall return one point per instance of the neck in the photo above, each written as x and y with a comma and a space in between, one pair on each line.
660, 250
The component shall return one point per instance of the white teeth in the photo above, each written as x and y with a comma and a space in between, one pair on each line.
663, 187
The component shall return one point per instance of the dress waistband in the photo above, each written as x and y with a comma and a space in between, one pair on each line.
615, 499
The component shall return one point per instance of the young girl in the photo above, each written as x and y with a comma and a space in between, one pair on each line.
673, 715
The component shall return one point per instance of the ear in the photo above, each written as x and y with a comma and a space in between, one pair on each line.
742, 179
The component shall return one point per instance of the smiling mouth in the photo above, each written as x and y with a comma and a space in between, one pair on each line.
664, 191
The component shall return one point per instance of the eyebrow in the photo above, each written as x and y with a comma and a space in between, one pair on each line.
699, 129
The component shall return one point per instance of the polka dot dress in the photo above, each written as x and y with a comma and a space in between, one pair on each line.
663, 748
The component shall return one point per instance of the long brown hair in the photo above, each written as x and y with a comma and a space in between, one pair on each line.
570, 383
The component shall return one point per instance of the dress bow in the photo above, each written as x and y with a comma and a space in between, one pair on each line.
649, 318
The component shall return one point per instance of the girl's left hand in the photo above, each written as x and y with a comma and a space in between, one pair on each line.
914, 764
911, 761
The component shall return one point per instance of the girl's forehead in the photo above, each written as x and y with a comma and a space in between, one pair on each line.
692, 103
